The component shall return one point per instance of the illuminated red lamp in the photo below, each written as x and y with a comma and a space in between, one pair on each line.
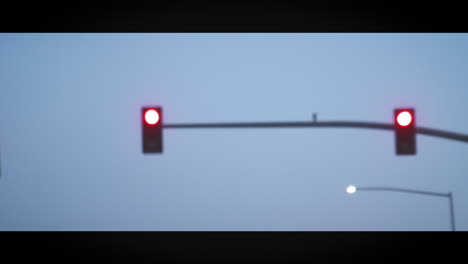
151, 117
404, 118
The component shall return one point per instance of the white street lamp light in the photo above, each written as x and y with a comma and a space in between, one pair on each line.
351, 189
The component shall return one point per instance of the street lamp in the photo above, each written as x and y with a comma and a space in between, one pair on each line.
352, 189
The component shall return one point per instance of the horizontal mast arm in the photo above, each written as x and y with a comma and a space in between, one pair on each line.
348, 124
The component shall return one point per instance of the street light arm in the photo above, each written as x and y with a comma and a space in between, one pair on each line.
392, 189
403, 190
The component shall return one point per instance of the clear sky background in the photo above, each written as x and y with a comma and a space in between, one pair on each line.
70, 136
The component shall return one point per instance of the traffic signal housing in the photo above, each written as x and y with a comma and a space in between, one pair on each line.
151, 119
405, 132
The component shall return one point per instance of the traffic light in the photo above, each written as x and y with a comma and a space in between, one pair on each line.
405, 134
151, 118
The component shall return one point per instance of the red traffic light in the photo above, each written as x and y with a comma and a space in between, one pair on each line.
151, 117
404, 118
405, 131
152, 126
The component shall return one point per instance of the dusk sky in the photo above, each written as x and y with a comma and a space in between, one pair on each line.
70, 137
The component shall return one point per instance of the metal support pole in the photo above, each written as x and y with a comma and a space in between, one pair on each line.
452, 211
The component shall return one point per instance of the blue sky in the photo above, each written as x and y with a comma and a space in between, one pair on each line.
70, 141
